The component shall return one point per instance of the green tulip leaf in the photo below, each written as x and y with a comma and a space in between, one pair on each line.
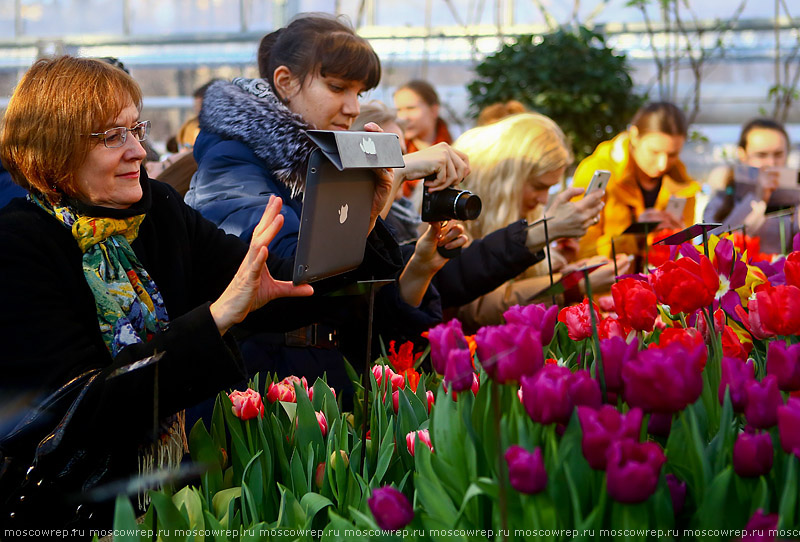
205, 451
125, 521
170, 519
787, 509
188, 501
221, 501
313, 503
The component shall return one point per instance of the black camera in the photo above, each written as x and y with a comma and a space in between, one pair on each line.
449, 204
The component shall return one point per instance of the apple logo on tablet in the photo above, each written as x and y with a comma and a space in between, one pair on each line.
343, 214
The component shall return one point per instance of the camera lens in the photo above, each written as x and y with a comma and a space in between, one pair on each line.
468, 206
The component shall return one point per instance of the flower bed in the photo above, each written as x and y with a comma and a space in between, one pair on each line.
676, 417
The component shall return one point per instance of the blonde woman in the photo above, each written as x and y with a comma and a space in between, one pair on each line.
513, 165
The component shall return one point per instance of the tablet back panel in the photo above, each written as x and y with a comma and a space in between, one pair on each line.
335, 220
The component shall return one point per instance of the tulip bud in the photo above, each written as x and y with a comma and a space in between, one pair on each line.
763, 400
677, 492
246, 404
430, 398
526, 471
444, 338
603, 426
736, 374
752, 454
546, 395
784, 362
424, 437
391, 508
339, 457
633, 470
789, 426
319, 475
323, 423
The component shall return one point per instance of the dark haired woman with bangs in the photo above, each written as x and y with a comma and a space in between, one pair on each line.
253, 144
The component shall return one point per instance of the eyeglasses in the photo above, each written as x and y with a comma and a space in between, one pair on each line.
115, 137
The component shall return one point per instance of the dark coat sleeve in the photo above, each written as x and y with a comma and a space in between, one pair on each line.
485, 264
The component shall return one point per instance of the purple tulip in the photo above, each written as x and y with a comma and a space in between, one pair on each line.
789, 426
584, 390
526, 470
752, 454
759, 527
539, 317
763, 400
784, 362
735, 376
444, 338
459, 373
603, 426
391, 508
509, 352
616, 353
633, 470
659, 424
546, 395
664, 380
677, 492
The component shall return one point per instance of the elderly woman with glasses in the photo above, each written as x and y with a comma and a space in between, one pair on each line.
116, 296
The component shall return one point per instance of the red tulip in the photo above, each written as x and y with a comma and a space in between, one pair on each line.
791, 269
430, 399
635, 303
246, 404
685, 285
319, 475
751, 319
284, 390
690, 338
424, 437
323, 423
579, 320
779, 309
396, 400
611, 327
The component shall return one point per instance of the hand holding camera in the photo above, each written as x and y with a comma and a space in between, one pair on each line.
449, 204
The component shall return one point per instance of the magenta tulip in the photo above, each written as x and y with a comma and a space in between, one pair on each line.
391, 508
735, 376
546, 395
539, 317
677, 493
603, 426
664, 380
633, 470
759, 527
752, 454
789, 426
526, 470
458, 373
444, 338
616, 353
509, 352
584, 390
659, 424
763, 400
784, 362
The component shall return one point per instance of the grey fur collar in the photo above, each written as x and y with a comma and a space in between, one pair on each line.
248, 111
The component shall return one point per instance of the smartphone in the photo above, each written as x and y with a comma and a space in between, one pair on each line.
787, 177
599, 181
675, 207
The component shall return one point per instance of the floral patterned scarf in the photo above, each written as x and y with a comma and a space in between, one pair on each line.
130, 308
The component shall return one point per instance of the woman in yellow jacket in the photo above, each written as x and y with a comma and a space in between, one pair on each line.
645, 173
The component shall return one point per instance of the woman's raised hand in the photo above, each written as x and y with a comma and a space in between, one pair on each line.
572, 219
253, 287
449, 165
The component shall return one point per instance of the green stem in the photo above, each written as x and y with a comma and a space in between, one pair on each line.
598, 356
503, 490
249, 438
